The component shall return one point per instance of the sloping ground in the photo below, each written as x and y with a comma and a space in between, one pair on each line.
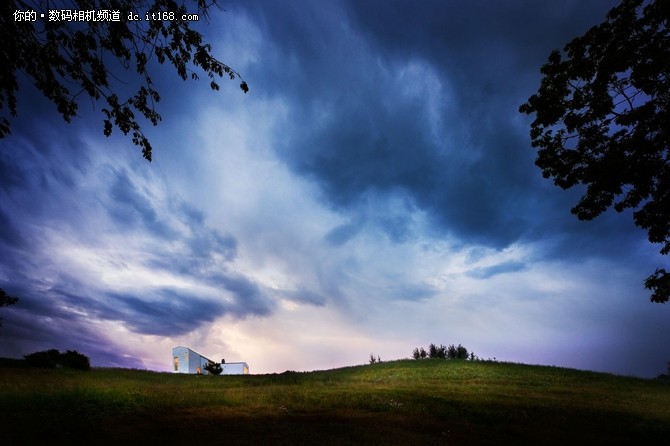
400, 402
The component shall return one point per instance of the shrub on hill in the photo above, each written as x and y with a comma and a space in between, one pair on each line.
214, 368
443, 352
419, 353
459, 352
437, 352
53, 358
75, 360
46, 359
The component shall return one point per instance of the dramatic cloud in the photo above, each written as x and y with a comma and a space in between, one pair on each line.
375, 191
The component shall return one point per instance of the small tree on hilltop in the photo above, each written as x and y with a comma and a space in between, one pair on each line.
451, 352
214, 368
461, 352
419, 353
437, 352
457, 352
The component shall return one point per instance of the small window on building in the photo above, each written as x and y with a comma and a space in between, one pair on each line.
176, 363
198, 370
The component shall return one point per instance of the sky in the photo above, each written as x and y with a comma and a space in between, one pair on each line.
375, 191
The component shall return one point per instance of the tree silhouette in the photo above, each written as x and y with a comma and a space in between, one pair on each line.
79, 47
53, 358
419, 353
602, 119
214, 368
6, 300
437, 352
454, 352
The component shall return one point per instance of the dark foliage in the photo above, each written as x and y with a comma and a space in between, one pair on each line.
53, 358
437, 352
419, 353
75, 360
12, 363
6, 300
214, 368
457, 352
47, 359
70, 59
443, 352
602, 119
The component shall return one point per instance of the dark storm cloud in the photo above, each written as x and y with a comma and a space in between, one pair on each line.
9, 175
378, 170
344, 232
165, 312
127, 206
10, 236
191, 247
494, 270
248, 298
360, 131
172, 312
40, 321
110, 213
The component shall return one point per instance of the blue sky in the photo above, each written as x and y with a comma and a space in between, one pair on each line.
375, 191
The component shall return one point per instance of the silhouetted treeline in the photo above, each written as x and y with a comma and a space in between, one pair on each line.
11, 362
51, 359
443, 352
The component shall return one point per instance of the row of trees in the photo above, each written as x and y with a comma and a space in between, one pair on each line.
443, 352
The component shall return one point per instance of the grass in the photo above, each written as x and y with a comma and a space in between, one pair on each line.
399, 402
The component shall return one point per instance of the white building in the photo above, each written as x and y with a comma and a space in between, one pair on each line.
185, 360
234, 368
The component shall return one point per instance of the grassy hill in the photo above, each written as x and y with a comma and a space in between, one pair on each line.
400, 402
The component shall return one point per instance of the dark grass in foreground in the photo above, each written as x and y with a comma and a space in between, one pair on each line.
401, 402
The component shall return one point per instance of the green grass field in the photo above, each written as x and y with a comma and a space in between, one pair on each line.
399, 402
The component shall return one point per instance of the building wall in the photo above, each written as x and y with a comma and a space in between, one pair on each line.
201, 365
180, 360
235, 368
185, 360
